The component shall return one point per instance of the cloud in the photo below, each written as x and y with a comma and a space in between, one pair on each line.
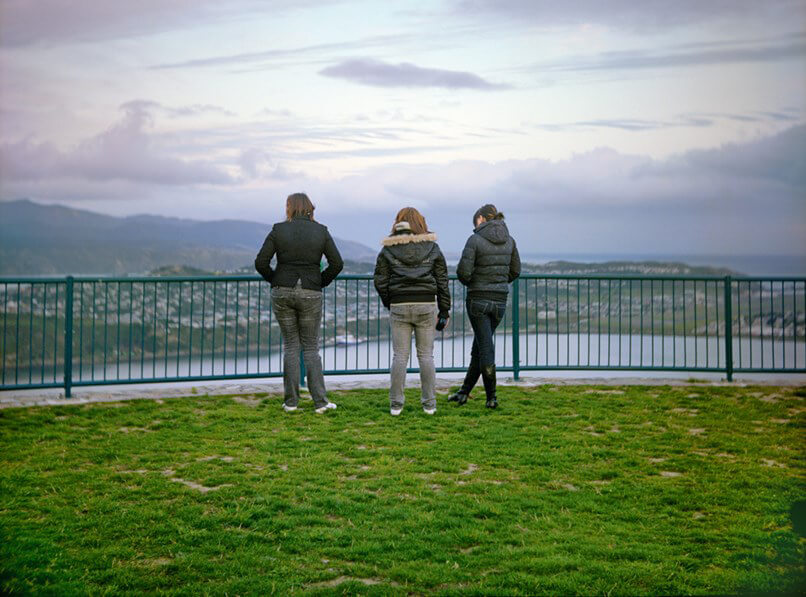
743, 198
644, 15
125, 151
776, 160
626, 124
301, 53
375, 73
59, 21
793, 47
740, 198
176, 111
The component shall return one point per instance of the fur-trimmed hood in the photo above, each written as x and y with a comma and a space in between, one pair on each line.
406, 238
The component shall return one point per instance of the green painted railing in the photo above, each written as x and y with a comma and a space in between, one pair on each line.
66, 332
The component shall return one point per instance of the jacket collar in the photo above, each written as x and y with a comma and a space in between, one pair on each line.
402, 239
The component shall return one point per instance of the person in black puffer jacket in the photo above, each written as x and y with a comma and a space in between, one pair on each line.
411, 278
489, 263
296, 293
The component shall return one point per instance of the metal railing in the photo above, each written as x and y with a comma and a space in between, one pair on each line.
66, 332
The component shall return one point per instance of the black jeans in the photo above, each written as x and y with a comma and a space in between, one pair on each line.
484, 315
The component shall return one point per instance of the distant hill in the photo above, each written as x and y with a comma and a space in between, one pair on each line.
38, 239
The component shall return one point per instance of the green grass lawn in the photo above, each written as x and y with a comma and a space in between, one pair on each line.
580, 489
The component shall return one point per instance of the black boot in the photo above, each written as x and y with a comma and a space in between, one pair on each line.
459, 397
488, 376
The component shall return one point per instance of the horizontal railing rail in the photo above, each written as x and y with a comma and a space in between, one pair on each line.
81, 331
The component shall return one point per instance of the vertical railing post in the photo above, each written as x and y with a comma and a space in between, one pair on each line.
301, 370
68, 337
728, 310
516, 324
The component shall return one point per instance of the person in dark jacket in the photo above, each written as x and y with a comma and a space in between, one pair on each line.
296, 293
411, 278
489, 263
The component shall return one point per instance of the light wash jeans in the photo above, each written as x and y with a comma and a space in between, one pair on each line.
420, 319
299, 314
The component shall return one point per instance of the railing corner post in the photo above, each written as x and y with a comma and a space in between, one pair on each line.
728, 310
516, 324
68, 337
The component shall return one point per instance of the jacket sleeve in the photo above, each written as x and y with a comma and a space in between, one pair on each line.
464, 269
263, 259
514, 263
381, 278
440, 271
334, 261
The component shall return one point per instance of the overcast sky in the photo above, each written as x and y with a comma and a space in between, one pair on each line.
651, 127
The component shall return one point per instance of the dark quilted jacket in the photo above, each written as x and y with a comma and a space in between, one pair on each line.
489, 261
411, 269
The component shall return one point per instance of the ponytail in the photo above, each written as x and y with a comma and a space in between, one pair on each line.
488, 212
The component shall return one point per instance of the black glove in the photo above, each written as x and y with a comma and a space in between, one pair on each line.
442, 321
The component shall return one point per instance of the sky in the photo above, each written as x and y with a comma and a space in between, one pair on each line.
617, 127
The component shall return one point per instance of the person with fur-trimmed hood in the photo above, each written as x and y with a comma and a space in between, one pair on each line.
411, 277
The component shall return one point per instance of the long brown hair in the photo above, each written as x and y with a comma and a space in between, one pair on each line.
414, 218
298, 204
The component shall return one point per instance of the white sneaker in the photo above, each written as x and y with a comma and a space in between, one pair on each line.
395, 411
328, 406
289, 409
429, 411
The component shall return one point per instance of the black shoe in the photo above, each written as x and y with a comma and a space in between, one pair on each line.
492, 402
459, 397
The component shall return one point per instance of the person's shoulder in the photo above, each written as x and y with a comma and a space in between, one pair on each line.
316, 225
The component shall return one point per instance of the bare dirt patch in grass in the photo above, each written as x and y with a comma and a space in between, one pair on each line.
605, 392
199, 487
247, 401
670, 474
471, 468
155, 562
772, 463
134, 430
696, 431
368, 582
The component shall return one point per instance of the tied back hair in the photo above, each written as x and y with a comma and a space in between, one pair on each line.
488, 212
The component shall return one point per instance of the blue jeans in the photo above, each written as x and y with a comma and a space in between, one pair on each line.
299, 315
484, 315
419, 320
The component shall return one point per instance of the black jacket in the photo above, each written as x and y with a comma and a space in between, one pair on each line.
299, 245
411, 269
489, 261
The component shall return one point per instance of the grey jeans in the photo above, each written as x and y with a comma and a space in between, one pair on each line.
420, 319
299, 314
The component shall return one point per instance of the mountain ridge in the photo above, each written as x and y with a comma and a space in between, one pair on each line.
52, 239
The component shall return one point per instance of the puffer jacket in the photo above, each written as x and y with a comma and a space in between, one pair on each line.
299, 245
489, 262
411, 269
